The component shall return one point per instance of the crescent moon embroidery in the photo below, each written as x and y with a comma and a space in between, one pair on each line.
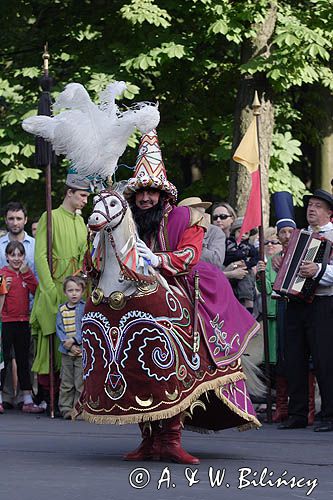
197, 403
94, 404
114, 394
172, 396
144, 402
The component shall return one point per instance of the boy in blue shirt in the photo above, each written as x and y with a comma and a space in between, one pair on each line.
68, 328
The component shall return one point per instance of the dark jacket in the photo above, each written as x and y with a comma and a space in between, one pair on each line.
244, 251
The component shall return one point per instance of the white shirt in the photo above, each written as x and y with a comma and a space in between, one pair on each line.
327, 278
29, 246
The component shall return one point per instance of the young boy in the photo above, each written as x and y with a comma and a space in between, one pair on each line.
68, 328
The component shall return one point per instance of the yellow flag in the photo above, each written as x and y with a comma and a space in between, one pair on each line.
247, 153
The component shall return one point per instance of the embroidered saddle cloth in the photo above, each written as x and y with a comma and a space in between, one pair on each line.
144, 363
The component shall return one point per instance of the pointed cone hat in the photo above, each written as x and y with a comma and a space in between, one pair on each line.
284, 210
150, 170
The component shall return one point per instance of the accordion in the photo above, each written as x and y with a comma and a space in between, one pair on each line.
303, 245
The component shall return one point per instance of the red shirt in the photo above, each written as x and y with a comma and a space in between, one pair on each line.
16, 306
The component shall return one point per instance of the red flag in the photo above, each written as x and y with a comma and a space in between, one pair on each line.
247, 154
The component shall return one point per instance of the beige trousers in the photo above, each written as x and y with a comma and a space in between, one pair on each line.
71, 382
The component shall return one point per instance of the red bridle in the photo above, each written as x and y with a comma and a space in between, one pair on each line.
107, 194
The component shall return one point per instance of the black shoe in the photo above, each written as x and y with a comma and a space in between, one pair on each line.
325, 426
293, 423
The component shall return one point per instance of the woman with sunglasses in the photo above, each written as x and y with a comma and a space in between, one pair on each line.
272, 244
223, 216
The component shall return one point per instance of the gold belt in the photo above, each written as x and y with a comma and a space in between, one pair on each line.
117, 300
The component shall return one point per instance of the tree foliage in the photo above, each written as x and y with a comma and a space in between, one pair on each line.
187, 55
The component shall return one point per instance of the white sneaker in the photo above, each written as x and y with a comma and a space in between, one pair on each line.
43, 405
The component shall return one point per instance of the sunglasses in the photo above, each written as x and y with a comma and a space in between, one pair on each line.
221, 216
272, 242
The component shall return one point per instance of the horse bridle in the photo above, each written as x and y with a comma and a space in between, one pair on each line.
127, 273
106, 215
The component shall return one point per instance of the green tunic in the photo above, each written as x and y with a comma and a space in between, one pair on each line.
271, 311
69, 240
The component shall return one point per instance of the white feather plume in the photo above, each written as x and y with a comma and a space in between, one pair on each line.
43, 126
108, 97
74, 96
92, 137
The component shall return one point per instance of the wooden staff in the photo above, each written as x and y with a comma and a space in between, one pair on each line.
44, 159
256, 111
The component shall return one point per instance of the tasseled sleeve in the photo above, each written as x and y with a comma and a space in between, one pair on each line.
187, 253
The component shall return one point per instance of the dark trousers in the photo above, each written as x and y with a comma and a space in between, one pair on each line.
309, 331
16, 334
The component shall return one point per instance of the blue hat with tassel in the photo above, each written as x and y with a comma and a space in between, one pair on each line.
284, 210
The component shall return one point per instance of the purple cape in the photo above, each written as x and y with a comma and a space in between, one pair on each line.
226, 325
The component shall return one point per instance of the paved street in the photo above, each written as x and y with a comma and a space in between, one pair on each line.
43, 459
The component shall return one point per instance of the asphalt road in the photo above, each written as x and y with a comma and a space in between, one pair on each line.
44, 459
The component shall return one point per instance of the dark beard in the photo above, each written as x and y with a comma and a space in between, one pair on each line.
148, 221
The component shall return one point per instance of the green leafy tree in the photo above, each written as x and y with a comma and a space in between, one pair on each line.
193, 57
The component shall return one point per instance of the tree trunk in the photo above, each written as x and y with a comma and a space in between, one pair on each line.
196, 172
326, 156
327, 163
239, 177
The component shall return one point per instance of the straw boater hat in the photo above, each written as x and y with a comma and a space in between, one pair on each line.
150, 171
194, 202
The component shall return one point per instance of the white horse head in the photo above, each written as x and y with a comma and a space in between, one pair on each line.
109, 208
115, 252
112, 215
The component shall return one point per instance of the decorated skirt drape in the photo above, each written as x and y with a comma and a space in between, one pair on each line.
140, 365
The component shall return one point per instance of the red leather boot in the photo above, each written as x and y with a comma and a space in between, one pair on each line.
312, 402
281, 412
170, 443
146, 450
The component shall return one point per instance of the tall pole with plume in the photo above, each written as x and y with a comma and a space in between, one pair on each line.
248, 154
44, 158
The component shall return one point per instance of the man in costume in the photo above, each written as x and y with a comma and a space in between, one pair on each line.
309, 328
69, 240
171, 241
143, 358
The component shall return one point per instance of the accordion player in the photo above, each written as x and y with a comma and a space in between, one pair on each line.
303, 246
